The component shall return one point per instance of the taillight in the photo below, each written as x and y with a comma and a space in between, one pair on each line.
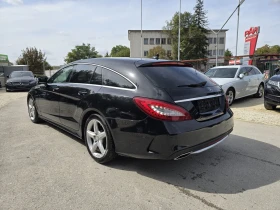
162, 110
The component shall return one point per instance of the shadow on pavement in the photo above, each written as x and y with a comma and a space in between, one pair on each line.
237, 165
247, 102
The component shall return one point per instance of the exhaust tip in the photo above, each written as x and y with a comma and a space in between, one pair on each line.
182, 156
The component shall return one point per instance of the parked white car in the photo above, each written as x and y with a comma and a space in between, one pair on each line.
238, 81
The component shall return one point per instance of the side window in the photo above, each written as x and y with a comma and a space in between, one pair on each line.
82, 74
112, 79
250, 71
242, 71
257, 71
97, 76
62, 75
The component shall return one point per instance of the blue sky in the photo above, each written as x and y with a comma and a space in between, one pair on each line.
56, 26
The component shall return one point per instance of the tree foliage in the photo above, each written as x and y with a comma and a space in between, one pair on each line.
83, 51
35, 59
157, 50
120, 51
193, 41
266, 49
228, 53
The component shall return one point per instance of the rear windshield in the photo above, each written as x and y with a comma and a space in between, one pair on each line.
221, 72
174, 76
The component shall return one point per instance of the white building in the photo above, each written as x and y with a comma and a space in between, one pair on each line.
153, 38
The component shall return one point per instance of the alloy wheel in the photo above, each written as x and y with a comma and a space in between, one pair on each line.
230, 97
261, 90
31, 109
96, 138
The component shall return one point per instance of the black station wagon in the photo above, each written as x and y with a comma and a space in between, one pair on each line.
142, 108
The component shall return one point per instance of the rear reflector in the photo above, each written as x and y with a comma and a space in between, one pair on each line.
162, 110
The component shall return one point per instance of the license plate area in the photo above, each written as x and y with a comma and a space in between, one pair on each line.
209, 104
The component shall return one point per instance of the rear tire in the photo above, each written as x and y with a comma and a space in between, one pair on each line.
230, 94
260, 91
269, 106
99, 140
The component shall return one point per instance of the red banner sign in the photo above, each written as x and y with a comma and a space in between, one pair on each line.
251, 36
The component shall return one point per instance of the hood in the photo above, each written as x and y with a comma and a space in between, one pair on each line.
21, 79
223, 81
275, 78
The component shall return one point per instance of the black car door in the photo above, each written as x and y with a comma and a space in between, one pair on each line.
48, 96
76, 96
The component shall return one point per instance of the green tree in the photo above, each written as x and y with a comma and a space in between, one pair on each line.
34, 59
198, 32
83, 51
228, 53
120, 51
171, 29
266, 49
157, 50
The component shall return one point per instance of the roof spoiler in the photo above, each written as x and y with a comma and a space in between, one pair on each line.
166, 63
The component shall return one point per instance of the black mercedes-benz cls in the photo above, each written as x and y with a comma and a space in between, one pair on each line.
142, 108
20, 80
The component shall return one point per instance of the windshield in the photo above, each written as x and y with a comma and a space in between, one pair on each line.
175, 76
21, 74
221, 72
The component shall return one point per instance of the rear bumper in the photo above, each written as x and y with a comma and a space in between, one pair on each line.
172, 140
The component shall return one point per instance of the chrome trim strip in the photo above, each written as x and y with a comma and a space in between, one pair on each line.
206, 148
120, 88
93, 64
198, 98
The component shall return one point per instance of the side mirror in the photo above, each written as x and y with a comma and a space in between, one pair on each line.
42, 79
241, 76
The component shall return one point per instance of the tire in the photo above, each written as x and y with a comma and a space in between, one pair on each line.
32, 111
260, 91
7, 90
98, 139
269, 106
230, 96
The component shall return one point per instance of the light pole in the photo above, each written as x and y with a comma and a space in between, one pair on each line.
238, 7
237, 31
179, 34
141, 33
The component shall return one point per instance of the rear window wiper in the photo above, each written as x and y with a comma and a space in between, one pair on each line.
201, 84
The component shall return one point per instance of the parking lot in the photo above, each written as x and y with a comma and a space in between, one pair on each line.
42, 167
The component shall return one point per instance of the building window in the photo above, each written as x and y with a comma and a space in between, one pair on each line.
152, 41
215, 40
168, 53
146, 53
163, 41
210, 41
221, 52
146, 41
214, 52
210, 52
168, 41
222, 40
157, 40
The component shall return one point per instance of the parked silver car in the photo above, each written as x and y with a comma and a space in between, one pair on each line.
238, 81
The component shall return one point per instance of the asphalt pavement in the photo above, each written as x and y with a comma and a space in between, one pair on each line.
42, 167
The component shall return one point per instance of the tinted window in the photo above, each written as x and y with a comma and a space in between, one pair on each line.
97, 76
173, 76
21, 74
243, 70
62, 75
257, 71
112, 79
82, 74
221, 72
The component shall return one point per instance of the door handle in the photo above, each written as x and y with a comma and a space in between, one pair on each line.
82, 92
